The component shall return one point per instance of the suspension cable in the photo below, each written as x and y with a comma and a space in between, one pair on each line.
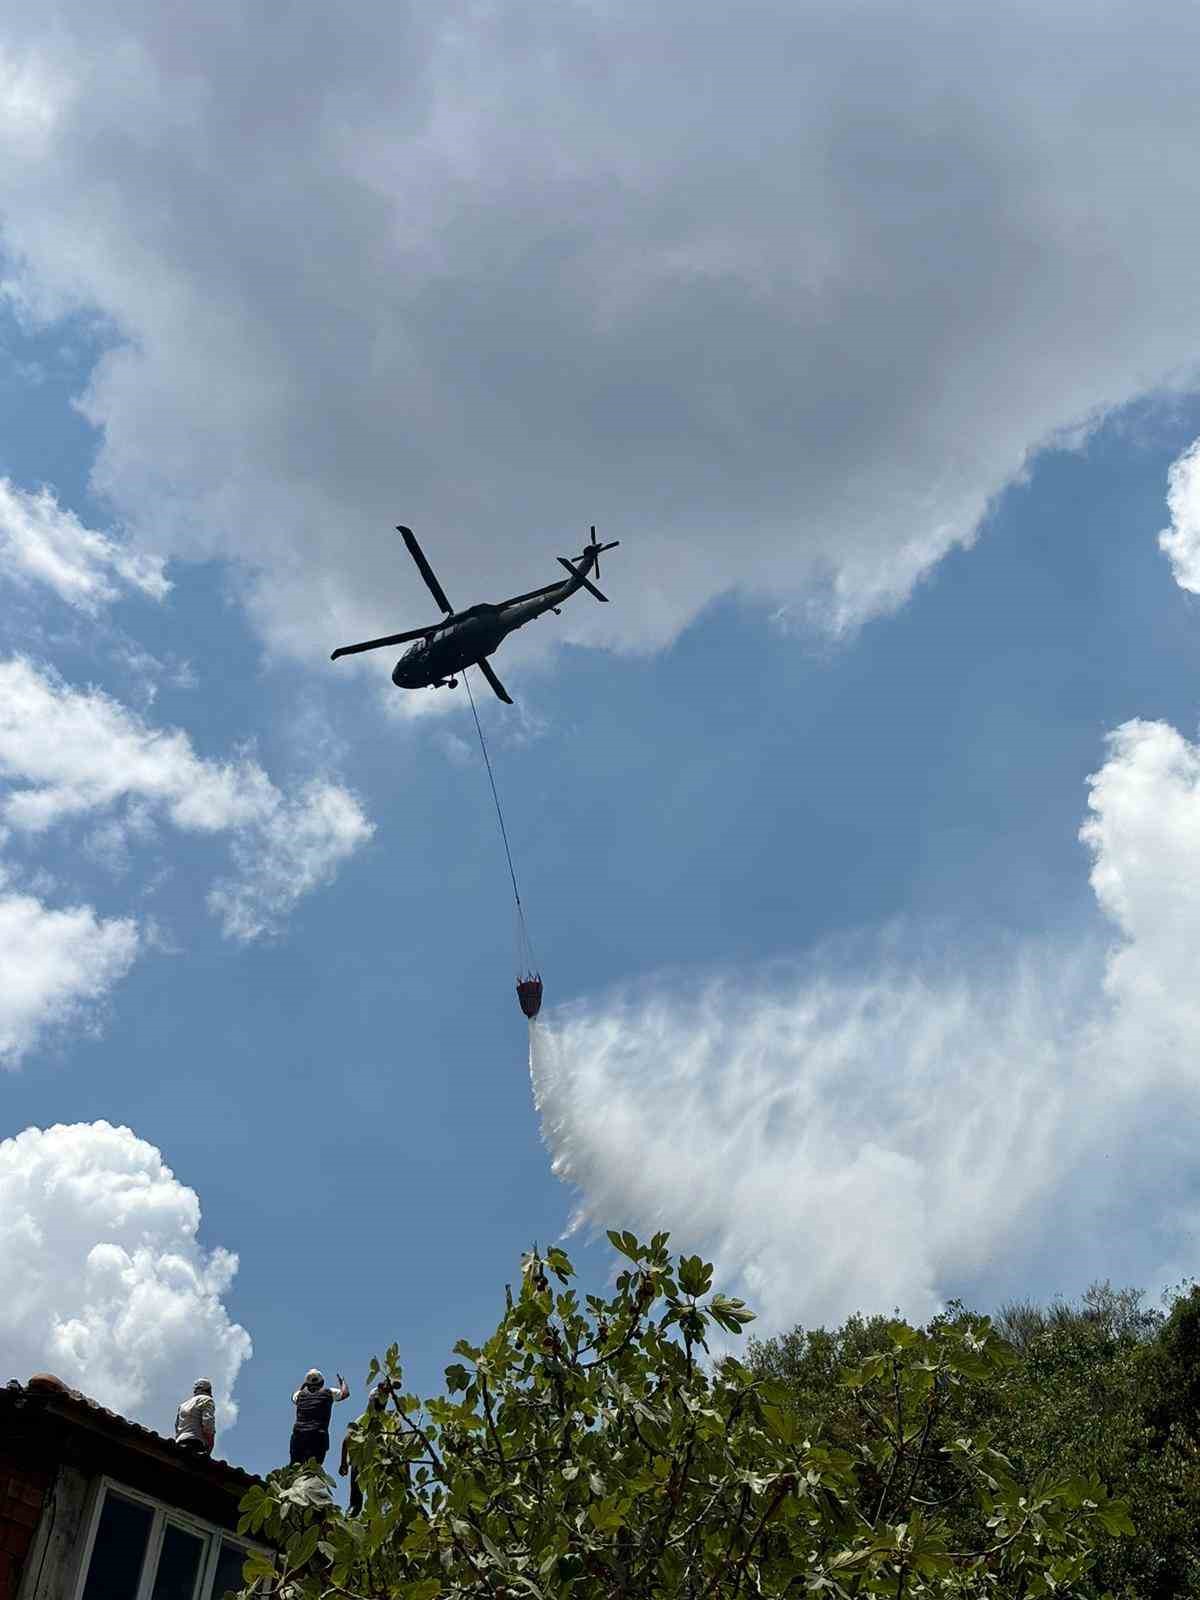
487, 761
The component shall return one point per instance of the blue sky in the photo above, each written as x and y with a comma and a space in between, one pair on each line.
796, 818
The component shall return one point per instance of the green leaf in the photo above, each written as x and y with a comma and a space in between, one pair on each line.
301, 1548
780, 1424
559, 1263
625, 1243
731, 1314
423, 1589
606, 1515
417, 1539
1115, 1519
308, 1491
258, 1564
901, 1335
695, 1275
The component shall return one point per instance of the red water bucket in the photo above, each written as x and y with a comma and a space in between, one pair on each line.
529, 993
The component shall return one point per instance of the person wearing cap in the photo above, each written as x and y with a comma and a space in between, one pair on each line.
355, 1434
196, 1420
314, 1406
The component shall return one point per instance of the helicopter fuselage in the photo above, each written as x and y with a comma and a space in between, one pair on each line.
469, 636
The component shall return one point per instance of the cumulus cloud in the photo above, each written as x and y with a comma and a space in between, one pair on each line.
55, 966
43, 542
70, 752
1181, 541
502, 272
852, 1138
103, 1280
1144, 836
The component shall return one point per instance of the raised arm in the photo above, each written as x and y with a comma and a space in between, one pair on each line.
343, 1391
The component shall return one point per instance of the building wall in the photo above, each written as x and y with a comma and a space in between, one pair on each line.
52, 1565
24, 1486
57, 1449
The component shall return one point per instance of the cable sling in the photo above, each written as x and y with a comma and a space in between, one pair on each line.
529, 982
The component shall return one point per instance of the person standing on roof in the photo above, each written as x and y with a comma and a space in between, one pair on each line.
314, 1406
196, 1420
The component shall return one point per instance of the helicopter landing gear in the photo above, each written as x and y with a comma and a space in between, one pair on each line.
452, 683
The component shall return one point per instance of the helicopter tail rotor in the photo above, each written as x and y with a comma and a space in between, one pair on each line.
589, 561
593, 548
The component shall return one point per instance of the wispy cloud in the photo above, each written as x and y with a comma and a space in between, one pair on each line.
56, 966
70, 752
294, 848
43, 542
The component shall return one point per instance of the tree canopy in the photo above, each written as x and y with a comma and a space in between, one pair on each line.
1108, 1389
602, 1448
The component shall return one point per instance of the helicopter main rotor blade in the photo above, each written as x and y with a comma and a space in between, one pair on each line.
377, 644
499, 689
426, 571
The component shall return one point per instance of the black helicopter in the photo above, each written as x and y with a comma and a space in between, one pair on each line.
466, 638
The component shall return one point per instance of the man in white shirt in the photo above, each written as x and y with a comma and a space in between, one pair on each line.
196, 1420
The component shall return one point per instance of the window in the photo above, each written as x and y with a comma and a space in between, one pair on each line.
122, 1535
140, 1549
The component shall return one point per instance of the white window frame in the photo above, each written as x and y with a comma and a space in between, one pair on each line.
162, 1515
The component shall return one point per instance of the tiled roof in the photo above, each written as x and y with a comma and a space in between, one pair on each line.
46, 1390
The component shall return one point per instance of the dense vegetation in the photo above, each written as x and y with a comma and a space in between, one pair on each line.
1106, 1389
594, 1448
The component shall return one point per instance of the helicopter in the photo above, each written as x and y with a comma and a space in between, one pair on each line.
466, 638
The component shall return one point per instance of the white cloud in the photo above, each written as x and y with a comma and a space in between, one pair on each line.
55, 965
103, 1280
893, 1135
1181, 541
298, 847
502, 272
72, 752
41, 542
1144, 835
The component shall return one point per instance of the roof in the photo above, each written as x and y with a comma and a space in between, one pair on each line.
51, 1396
